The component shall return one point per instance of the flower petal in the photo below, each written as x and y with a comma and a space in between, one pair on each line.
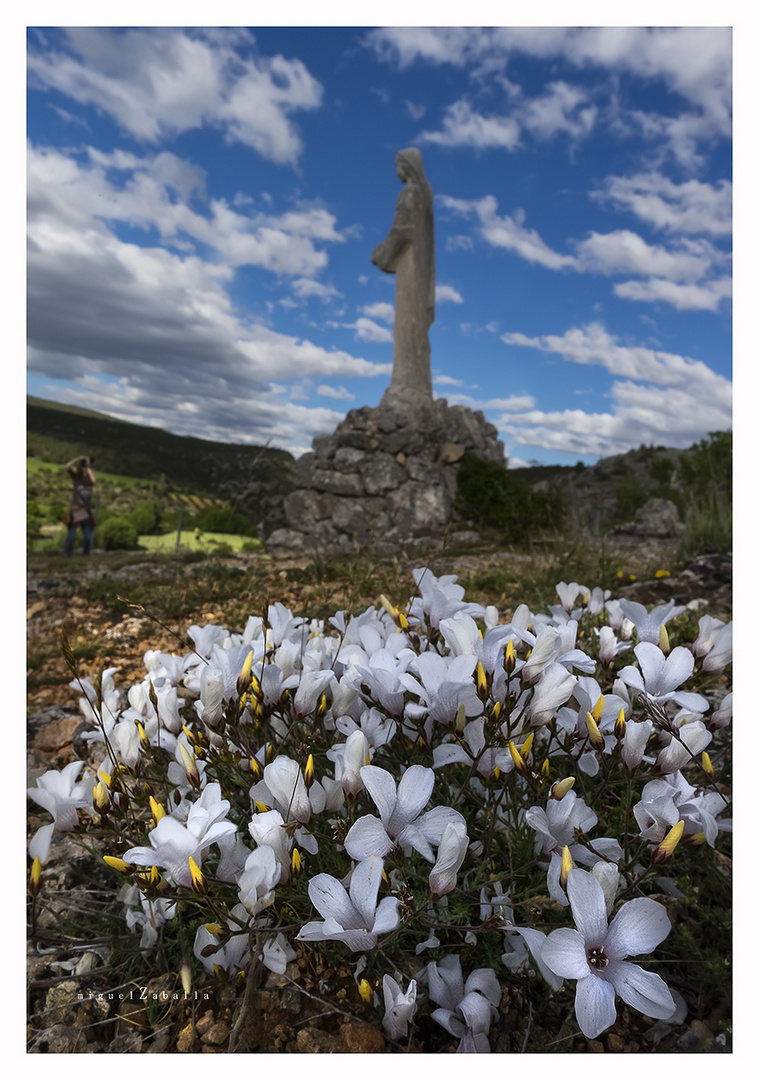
564, 953
364, 886
643, 990
331, 900
638, 927
594, 1006
381, 786
367, 838
588, 906
414, 792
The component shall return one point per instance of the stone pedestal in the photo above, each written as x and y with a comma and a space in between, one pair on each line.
384, 481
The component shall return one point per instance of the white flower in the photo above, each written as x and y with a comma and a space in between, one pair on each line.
259, 878
172, 844
594, 954
660, 676
268, 830
648, 624
284, 779
450, 855
399, 1007
63, 793
467, 1010
399, 809
357, 920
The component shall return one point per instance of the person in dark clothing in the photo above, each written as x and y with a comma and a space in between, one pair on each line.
79, 513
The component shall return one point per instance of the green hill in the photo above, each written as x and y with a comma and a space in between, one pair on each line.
251, 478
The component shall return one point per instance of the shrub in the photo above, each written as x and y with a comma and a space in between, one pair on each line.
116, 534
146, 517
224, 520
489, 496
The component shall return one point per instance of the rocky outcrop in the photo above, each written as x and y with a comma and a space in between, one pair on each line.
657, 519
384, 480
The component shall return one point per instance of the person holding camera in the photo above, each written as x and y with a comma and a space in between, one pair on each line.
80, 513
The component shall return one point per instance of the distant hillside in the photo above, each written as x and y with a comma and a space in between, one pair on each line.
609, 492
254, 478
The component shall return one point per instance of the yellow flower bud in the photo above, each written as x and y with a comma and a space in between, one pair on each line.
566, 866
144, 740
526, 746
598, 709
188, 760
117, 864
481, 680
156, 810
509, 657
35, 876
706, 764
365, 991
460, 718
545, 769
308, 773
666, 848
100, 797
620, 725
663, 639
296, 864
199, 883
594, 735
243, 679
562, 787
519, 762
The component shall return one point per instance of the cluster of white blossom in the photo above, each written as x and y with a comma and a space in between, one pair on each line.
384, 772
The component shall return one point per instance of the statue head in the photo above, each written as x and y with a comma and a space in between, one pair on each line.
410, 167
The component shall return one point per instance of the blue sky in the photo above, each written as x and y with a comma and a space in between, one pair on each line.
203, 204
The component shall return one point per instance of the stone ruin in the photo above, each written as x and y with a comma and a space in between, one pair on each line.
386, 479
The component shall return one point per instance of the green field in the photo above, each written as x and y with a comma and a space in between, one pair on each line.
191, 541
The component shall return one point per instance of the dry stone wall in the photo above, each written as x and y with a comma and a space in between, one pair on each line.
384, 481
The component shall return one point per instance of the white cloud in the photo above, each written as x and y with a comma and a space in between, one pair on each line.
662, 398
305, 288
464, 127
447, 293
507, 232
592, 344
446, 380
684, 275
380, 310
368, 330
515, 403
150, 334
707, 296
160, 82
693, 61
691, 207
624, 252
157, 193
416, 112
339, 393
563, 108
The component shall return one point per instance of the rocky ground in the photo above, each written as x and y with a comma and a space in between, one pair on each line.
82, 1000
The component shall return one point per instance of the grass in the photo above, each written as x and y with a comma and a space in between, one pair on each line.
193, 541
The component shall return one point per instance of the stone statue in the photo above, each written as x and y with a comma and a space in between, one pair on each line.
409, 253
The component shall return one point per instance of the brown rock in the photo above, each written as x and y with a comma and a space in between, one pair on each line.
57, 735
186, 1039
595, 1047
216, 1034
615, 1043
316, 1042
361, 1039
